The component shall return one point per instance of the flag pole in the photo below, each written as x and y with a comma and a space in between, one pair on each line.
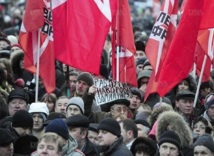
199, 81
118, 48
37, 66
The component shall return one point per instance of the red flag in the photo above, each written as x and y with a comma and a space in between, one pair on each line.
38, 15
159, 41
80, 31
180, 56
162, 34
123, 39
201, 51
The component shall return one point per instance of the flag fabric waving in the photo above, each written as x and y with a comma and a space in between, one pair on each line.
162, 34
180, 56
38, 16
159, 41
123, 39
80, 31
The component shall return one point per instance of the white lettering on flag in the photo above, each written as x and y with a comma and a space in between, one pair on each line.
105, 8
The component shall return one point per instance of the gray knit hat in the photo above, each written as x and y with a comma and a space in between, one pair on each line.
205, 140
77, 101
87, 77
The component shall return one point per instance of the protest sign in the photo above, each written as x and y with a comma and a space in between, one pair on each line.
108, 90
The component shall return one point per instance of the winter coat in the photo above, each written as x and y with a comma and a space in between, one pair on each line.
176, 123
70, 149
90, 149
117, 149
94, 117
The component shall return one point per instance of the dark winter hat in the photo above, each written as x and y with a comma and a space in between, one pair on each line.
209, 103
77, 101
22, 119
77, 121
135, 91
140, 45
6, 137
93, 127
120, 101
170, 137
110, 125
52, 116
185, 94
205, 140
144, 144
87, 77
25, 145
18, 93
5, 52
141, 61
59, 127
142, 122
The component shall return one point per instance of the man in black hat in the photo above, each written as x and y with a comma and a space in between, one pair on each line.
184, 104
17, 100
6, 143
169, 144
93, 133
78, 129
22, 123
115, 109
110, 138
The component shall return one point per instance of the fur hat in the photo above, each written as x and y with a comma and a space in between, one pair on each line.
18, 93
59, 127
175, 121
169, 137
144, 144
205, 140
22, 119
87, 77
77, 101
77, 121
110, 125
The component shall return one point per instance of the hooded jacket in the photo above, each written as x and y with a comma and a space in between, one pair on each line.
171, 120
70, 149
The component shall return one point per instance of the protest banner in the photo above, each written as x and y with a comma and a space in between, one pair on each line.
109, 90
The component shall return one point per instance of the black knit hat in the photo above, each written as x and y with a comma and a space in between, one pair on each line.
18, 93
93, 127
22, 119
87, 77
142, 122
25, 145
135, 91
59, 127
77, 121
52, 116
169, 137
6, 137
205, 140
110, 125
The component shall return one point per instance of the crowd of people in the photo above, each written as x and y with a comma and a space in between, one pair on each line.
69, 122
